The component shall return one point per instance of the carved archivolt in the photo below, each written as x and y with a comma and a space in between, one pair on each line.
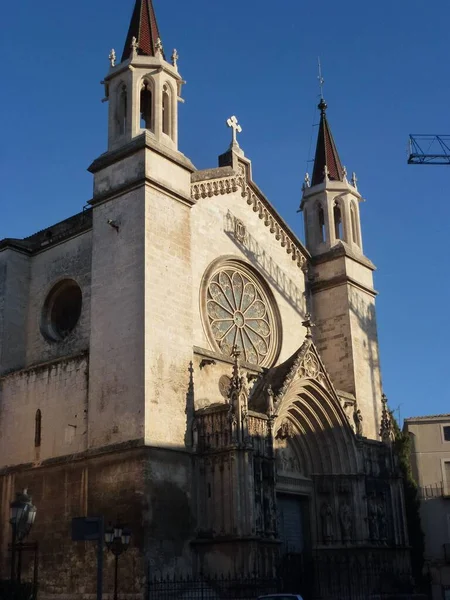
306, 366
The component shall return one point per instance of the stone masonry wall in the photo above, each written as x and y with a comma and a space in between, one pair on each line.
14, 294
59, 391
149, 490
71, 259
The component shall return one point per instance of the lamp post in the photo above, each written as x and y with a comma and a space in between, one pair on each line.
22, 515
117, 540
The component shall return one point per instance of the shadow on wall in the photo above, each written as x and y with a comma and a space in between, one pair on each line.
366, 317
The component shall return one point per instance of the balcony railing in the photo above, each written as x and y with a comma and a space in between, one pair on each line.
436, 490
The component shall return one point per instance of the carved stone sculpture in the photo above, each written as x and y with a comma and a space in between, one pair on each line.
374, 532
382, 523
358, 419
345, 516
327, 522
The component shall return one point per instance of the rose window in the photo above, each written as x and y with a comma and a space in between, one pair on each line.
240, 314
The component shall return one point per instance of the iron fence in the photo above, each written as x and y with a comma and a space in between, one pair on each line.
224, 587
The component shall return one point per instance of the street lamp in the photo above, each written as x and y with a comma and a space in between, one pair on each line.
117, 539
22, 515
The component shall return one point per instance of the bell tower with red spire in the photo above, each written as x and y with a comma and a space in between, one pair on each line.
143, 89
341, 279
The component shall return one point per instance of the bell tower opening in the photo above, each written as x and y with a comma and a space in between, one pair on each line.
146, 106
338, 228
122, 110
166, 116
321, 221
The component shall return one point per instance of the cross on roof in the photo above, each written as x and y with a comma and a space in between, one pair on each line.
236, 128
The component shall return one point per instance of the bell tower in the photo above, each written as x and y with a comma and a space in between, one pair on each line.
144, 89
341, 279
141, 244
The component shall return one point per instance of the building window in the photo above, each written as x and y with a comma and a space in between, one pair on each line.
446, 430
354, 224
337, 213
37, 428
239, 311
146, 106
62, 310
321, 218
166, 116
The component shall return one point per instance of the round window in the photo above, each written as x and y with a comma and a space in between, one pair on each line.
239, 311
62, 310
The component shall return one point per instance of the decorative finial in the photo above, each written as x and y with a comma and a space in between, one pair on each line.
236, 128
134, 46
306, 182
321, 81
112, 58
326, 172
309, 325
344, 172
386, 421
175, 58
322, 106
159, 47
354, 180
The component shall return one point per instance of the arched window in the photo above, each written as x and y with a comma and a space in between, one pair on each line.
122, 109
321, 220
354, 224
146, 106
37, 428
166, 116
338, 229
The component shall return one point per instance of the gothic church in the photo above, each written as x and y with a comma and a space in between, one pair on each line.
175, 355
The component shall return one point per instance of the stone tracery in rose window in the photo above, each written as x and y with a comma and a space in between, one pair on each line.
239, 313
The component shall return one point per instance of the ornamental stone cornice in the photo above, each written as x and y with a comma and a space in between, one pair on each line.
210, 185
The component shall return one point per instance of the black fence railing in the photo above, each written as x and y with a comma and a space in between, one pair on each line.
211, 588
320, 580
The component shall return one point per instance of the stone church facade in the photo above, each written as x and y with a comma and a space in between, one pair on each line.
176, 356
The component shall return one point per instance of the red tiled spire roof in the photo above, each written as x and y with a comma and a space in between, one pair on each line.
144, 28
326, 152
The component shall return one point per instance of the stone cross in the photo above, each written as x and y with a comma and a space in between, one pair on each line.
112, 58
307, 182
236, 128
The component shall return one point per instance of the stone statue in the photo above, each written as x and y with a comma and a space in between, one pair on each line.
358, 418
327, 522
346, 521
373, 519
382, 523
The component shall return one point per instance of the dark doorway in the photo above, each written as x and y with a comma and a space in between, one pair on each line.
294, 528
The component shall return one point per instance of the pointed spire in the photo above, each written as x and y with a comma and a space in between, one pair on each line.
144, 28
327, 157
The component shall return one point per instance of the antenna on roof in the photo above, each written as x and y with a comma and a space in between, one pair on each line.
320, 78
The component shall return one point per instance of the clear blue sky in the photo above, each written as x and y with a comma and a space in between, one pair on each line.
386, 69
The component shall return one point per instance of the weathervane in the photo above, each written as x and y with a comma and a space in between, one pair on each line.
320, 78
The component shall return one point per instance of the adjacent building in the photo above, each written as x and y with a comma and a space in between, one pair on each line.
430, 462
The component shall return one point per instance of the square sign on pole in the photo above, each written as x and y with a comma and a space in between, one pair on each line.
91, 529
